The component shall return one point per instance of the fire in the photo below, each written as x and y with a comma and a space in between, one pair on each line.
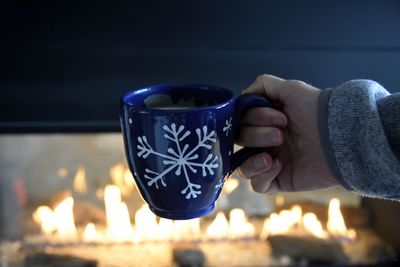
165, 229
64, 219
122, 177
118, 221
239, 227
146, 224
336, 225
80, 184
186, 230
44, 216
284, 222
279, 200
128, 179
90, 233
313, 225
62, 172
219, 228
294, 222
59, 222
230, 185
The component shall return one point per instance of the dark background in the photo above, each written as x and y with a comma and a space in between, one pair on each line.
65, 64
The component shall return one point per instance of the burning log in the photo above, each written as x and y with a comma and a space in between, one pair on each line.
49, 260
369, 248
309, 248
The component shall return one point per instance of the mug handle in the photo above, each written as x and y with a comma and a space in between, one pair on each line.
243, 103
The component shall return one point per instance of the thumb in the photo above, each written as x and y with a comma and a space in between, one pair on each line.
270, 86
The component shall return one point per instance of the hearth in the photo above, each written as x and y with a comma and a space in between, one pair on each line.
69, 200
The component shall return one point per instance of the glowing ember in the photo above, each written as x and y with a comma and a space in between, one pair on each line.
80, 184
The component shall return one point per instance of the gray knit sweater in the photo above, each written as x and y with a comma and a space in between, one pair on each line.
359, 126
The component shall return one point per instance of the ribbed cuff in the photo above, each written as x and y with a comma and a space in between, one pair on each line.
323, 129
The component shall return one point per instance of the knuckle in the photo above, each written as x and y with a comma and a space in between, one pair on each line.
246, 170
295, 83
256, 186
241, 173
263, 77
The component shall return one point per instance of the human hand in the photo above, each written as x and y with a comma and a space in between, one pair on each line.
294, 160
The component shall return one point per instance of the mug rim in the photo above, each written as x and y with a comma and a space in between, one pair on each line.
200, 86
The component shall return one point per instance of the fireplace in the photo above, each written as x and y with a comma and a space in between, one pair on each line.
67, 199
70, 200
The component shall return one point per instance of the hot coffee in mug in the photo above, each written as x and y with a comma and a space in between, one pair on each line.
179, 144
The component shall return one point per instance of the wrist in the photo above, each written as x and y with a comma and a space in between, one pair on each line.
325, 143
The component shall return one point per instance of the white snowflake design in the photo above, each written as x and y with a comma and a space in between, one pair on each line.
219, 184
228, 126
181, 159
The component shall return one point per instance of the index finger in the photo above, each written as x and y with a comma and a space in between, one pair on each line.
269, 85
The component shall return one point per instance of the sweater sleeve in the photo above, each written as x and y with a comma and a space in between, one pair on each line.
359, 127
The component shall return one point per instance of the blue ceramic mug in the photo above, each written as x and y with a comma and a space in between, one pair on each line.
179, 144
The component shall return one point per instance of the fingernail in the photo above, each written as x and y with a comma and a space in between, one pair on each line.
277, 164
260, 163
275, 137
279, 121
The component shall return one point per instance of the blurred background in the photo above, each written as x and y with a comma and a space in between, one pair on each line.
63, 67
65, 63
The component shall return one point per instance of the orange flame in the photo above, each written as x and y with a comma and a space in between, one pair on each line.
239, 227
284, 222
146, 224
64, 219
118, 220
293, 222
80, 184
44, 216
336, 225
61, 220
230, 185
90, 233
219, 228
59, 223
122, 177
313, 225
